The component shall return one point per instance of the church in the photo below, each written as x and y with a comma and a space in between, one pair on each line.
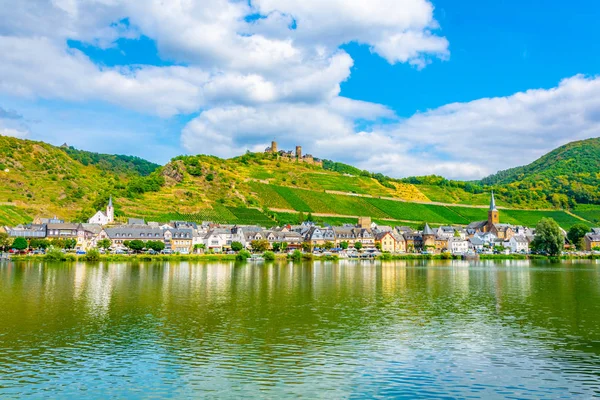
104, 218
493, 225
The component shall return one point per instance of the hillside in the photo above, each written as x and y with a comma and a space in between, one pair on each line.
250, 189
572, 170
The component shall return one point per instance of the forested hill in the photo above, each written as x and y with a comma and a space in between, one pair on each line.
113, 163
572, 170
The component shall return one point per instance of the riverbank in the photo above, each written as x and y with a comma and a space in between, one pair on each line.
306, 257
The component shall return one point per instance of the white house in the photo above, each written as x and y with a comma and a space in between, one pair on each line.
102, 218
519, 244
456, 245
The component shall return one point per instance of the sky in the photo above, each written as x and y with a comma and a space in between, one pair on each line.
403, 87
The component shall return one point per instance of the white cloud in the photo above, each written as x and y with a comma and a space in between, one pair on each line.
279, 76
459, 140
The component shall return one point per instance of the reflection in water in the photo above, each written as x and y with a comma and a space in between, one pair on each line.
347, 329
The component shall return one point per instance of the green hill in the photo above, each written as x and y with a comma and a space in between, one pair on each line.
255, 188
572, 170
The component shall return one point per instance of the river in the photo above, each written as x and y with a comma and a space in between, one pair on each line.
348, 329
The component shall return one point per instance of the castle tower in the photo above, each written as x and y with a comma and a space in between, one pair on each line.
493, 213
273, 147
110, 211
299, 152
428, 237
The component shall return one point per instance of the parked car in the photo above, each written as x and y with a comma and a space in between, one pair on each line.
80, 252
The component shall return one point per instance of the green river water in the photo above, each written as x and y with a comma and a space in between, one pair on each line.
348, 329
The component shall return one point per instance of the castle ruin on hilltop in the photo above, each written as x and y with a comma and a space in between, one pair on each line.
291, 156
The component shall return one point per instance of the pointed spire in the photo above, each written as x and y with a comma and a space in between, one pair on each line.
110, 201
493, 203
427, 230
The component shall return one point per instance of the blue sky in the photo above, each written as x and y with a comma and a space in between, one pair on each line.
412, 87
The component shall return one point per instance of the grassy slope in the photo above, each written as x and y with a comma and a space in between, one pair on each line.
40, 179
45, 180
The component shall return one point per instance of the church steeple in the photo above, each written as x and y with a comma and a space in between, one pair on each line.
493, 213
493, 203
110, 211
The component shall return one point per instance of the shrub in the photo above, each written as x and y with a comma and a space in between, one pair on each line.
243, 255
296, 255
54, 254
236, 246
307, 256
92, 255
269, 256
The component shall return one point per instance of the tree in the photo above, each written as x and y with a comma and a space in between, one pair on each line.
36, 243
548, 238
70, 243
104, 244
259, 246
344, 245
269, 256
4, 240
284, 246
199, 246
378, 245
20, 244
243, 255
58, 243
135, 245
276, 246
328, 246
236, 246
309, 217
576, 234
155, 245
306, 246
300, 217
358, 245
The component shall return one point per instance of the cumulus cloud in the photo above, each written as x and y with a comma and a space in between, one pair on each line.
229, 59
460, 140
249, 72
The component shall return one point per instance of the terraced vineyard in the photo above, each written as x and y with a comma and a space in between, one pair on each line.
325, 203
531, 218
589, 212
10, 216
218, 214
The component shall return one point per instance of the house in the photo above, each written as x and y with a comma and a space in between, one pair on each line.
391, 242
502, 231
63, 231
518, 244
104, 218
37, 231
592, 240
441, 243
414, 241
317, 236
292, 240
54, 220
120, 234
178, 240
458, 245
220, 239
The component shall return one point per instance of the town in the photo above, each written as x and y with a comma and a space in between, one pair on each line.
363, 239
